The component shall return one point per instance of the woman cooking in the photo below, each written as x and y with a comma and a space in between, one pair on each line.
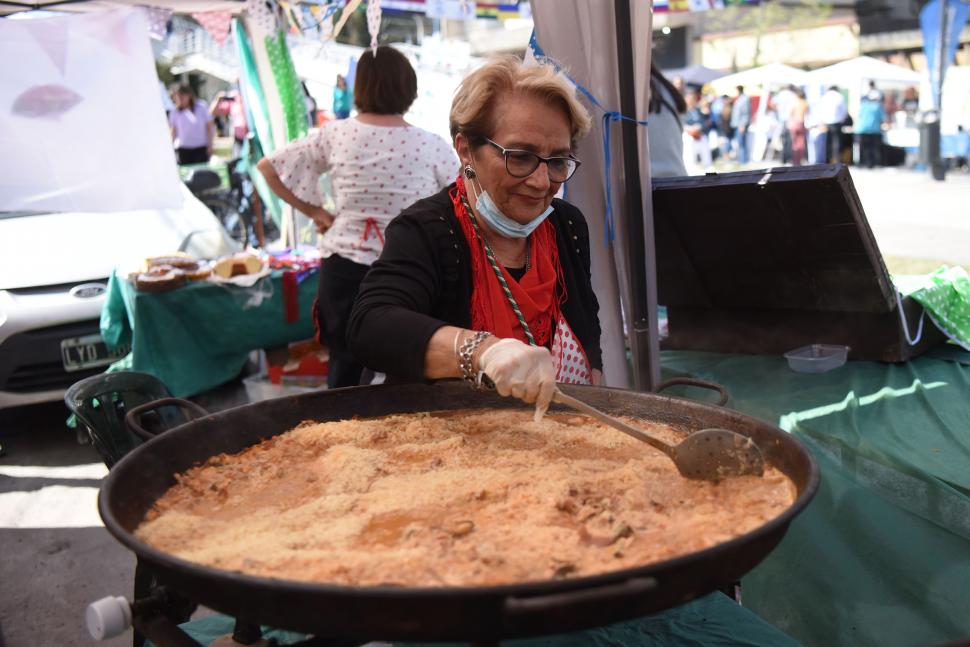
491, 275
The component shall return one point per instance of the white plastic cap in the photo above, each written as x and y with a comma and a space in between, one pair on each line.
108, 617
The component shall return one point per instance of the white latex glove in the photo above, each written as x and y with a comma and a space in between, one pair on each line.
523, 371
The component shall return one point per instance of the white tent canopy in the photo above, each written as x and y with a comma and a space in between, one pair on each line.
177, 6
853, 77
582, 35
858, 71
773, 75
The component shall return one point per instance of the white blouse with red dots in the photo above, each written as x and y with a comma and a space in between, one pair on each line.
375, 171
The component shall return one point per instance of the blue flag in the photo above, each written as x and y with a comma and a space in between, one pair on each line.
929, 19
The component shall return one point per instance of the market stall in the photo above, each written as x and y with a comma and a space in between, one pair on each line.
855, 74
199, 336
760, 83
852, 77
770, 77
888, 437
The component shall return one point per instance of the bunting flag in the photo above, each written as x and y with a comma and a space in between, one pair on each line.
412, 6
257, 116
348, 10
216, 23
291, 18
52, 38
374, 21
158, 18
697, 6
289, 86
263, 14
312, 17
450, 9
497, 10
112, 31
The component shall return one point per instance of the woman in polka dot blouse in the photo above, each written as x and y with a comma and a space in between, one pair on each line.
378, 164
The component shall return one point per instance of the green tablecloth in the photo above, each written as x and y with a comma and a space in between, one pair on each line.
882, 555
199, 336
713, 620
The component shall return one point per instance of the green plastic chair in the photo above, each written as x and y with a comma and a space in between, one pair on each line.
100, 404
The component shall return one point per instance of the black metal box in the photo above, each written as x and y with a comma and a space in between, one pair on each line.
763, 262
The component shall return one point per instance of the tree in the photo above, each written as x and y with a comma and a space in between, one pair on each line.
768, 15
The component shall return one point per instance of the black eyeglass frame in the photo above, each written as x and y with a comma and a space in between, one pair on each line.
539, 160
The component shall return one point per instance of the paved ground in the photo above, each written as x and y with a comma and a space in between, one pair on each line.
913, 216
56, 557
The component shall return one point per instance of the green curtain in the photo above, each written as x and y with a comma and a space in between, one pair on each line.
289, 86
257, 116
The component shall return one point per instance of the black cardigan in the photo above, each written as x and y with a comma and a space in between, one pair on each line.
422, 281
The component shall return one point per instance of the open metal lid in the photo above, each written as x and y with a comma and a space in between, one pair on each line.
793, 238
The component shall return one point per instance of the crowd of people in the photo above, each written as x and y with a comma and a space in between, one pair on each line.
789, 129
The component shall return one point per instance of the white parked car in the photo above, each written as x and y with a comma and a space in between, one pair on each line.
54, 269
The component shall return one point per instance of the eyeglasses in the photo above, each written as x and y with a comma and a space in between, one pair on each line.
522, 163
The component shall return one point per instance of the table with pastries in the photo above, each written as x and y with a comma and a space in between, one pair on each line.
200, 335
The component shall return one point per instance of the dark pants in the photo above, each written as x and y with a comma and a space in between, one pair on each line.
339, 282
198, 155
741, 140
833, 143
869, 149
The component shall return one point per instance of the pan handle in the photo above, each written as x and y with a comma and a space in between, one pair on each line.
522, 608
133, 418
703, 384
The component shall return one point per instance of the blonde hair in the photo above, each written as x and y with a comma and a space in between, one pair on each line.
473, 106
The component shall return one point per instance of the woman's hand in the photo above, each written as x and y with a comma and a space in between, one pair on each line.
322, 218
523, 371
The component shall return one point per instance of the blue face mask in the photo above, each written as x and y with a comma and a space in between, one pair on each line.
502, 224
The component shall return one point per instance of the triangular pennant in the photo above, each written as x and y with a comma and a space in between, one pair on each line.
51, 35
109, 27
262, 14
158, 18
216, 23
374, 21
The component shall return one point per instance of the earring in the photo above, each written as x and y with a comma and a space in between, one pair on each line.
469, 171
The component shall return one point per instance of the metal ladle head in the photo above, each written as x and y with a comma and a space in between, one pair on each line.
712, 454
708, 454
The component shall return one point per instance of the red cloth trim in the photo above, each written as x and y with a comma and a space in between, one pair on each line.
539, 294
371, 227
291, 297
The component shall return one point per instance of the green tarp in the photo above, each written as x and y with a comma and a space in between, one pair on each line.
882, 555
713, 620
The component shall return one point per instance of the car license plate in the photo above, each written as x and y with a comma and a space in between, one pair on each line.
90, 351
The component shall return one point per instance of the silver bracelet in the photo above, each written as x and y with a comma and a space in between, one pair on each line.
467, 351
457, 338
